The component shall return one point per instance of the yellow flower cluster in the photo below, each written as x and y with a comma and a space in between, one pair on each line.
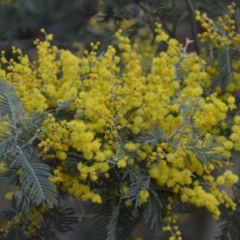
180, 175
227, 178
9, 195
74, 134
172, 227
222, 35
35, 216
3, 166
109, 102
143, 195
234, 137
72, 185
4, 131
222, 32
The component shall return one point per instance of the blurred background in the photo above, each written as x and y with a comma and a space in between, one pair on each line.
76, 23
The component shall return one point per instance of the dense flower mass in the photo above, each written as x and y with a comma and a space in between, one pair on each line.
114, 117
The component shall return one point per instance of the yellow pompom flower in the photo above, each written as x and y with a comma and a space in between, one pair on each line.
3, 167
143, 196
221, 180
9, 195
237, 119
121, 163
130, 146
228, 145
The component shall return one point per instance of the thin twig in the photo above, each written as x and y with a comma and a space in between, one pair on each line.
193, 25
174, 6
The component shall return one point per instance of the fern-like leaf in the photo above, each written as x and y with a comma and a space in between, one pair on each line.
6, 144
61, 218
35, 182
181, 207
64, 218
203, 149
225, 67
119, 224
16, 232
213, 8
155, 207
99, 226
151, 136
230, 224
237, 20
9, 102
113, 222
9, 177
7, 215
230, 219
138, 182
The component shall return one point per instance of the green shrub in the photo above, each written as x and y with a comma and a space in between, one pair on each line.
122, 130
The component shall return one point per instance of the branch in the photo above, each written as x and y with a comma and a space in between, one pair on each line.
193, 25
174, 6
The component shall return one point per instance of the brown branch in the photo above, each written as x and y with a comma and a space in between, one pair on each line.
174, 6
193, 25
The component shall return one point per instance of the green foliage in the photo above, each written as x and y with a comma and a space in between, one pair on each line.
155, 209
213, 8
60, 219
16, 232
203, 149
113, 222
19, 147
35, 177
130, 186
151, 136
20, 16
230, 220
153, 11
26, 171
9, 104
139, 181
